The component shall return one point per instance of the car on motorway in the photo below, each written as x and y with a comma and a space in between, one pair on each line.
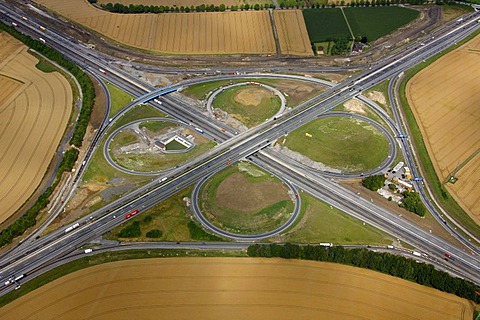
130, 214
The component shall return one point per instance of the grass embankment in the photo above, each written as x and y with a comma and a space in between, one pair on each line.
249, 114
323, 223
156, 126
201, 90
268, 203
172, 217
443, 197
119, 98
106, 257
340, 143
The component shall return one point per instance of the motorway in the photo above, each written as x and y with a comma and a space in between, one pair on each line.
60, 243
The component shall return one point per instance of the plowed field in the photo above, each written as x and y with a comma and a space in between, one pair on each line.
292, 32
34, 111
233, 288
180, 33
445, 99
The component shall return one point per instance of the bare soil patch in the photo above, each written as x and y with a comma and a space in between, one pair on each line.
181, 33
298, 91
32, 122
233, 288
236, 193
354, 105
377, 96
444, 98
252, 96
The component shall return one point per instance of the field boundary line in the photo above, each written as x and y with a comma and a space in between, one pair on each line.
461, 165
275, 33
349, 28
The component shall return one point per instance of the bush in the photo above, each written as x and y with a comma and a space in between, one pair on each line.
374, 182
131, 231
413, 203
197, 233
155, 233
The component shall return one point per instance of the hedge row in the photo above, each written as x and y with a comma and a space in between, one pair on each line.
398, 266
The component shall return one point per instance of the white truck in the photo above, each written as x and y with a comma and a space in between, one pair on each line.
88, 250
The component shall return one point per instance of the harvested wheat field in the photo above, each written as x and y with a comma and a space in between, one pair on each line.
445, 99
233, 288
186, 3
292, 33
34, 111
247, 32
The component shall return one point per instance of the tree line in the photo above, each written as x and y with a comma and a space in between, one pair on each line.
140, 8
397, 266
28, 219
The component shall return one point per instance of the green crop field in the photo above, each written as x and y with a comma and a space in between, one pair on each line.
241, 183
325, 24
250, 115
340, 143
375, 22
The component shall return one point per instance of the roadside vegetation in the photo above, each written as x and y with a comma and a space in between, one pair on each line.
169, 220
28, 220
244, 199
441, 194
119, 98
105, 257
340, 143
321, 222
397, 266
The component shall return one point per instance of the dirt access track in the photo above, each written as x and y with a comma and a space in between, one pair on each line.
445, 99
233, 288
34, 111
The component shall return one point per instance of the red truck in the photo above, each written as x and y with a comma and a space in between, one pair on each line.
130, 214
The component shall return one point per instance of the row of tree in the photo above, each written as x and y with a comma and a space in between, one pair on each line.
398, 266
140, 8
28, 220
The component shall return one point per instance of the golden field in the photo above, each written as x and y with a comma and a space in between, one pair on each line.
233, 288
248, 32
34, 111
292, 33
445, 99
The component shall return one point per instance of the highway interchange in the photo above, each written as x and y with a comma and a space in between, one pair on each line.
30, 256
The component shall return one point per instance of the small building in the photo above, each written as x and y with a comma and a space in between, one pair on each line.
160, 145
